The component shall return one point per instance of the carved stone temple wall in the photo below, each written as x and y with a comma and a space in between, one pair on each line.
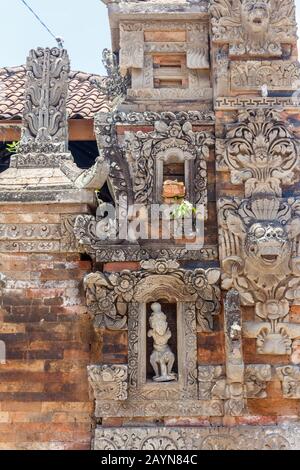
121, 342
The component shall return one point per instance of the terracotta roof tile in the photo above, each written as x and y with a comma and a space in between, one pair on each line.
84, 98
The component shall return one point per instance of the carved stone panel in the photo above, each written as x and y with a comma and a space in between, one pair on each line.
261, 151
132, 49
108, 382
213, 381
252, 75
109, 296
115, 297
259, 254
197, 46
198, 438
290, 378
147, 152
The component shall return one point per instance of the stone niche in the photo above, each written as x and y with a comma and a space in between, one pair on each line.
126, 301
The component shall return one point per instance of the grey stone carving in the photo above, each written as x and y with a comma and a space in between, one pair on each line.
212, 381
108, 296
255, 28
258, 239
149, 151
43, 160
108, 382
260, 151
235, 368
115, 85
290, 378
162, 358
198, 438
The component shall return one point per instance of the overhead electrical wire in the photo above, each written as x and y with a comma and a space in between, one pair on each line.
59, 40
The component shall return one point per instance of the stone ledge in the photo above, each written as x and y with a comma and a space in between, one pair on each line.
196, 438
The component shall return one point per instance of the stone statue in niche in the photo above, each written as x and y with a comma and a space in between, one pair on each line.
162, 358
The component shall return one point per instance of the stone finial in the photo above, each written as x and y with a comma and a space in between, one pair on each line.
43, 160
45, 113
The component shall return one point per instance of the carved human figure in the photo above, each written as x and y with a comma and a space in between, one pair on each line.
162, 358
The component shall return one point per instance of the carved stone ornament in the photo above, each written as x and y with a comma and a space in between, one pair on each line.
43, 160
290, 378
226, 103
234, 382
198, 438
85, 231
213, 382
260, 151
258, 28
108, 382
252, 75
45, 117
109, 295
138, 180
259, 255
148, 151
115, 85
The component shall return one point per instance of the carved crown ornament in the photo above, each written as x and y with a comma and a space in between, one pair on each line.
261, 151
109, 295
260, 258
258, 28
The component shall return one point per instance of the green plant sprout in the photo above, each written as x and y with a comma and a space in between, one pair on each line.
185, 208
13, 147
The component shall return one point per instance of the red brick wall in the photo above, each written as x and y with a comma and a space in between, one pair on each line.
44, 401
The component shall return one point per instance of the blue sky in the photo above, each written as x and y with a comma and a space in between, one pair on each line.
83, 25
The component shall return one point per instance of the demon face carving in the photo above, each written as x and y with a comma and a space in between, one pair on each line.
256, 18
267, 244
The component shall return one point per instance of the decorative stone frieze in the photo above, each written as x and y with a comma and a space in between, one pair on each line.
85, 233
212, 381
198, 438
253, 102
108, 382
252, 75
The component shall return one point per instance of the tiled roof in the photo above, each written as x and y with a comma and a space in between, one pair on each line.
84, 98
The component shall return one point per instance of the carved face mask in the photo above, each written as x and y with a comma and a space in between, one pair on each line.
267, 244
256, 16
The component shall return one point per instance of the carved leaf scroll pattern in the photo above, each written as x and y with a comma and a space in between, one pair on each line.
110, 295
260, 151
45, 118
